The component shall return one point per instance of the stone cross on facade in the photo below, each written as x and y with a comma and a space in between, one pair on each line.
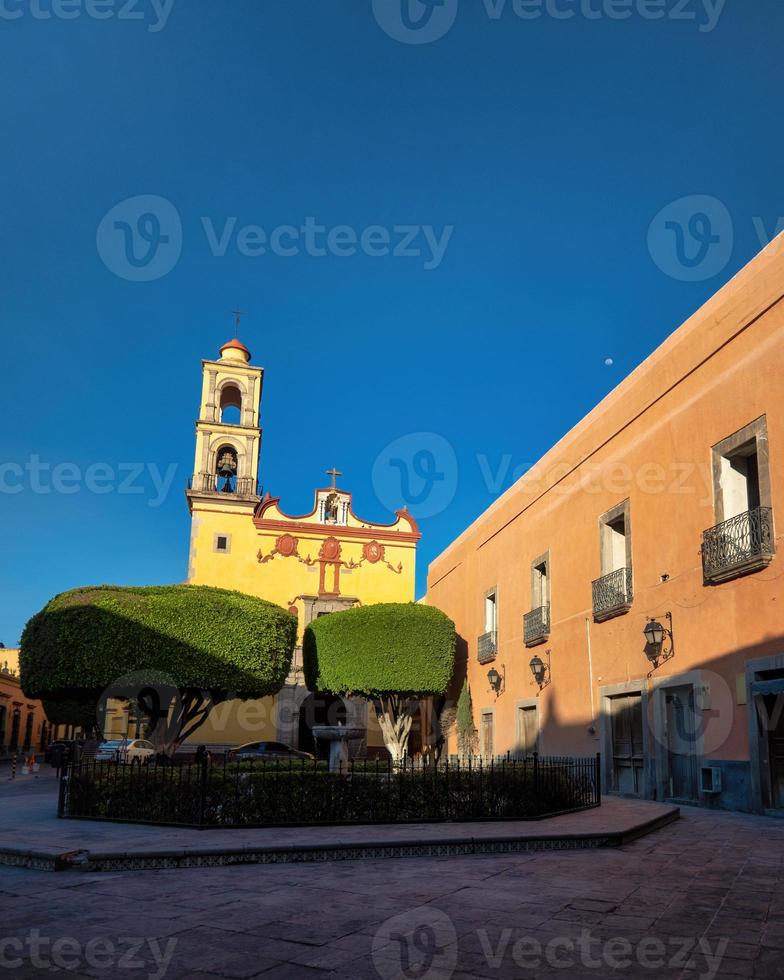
334, 474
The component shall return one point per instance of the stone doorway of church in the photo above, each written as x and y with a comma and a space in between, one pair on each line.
319, 709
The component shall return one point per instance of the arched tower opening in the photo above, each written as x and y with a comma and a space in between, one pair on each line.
231, 405
226, 469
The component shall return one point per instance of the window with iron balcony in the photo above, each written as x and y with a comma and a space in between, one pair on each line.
536, 623
742, 540
612, 592
486, 646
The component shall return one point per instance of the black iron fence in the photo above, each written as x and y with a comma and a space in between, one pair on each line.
743, 540
536, 625
486, 647
259, 794
612, 593
240, 486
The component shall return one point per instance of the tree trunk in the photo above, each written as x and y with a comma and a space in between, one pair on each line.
171, 724
395, 716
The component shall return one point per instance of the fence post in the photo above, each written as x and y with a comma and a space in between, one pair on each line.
536, 772
202, 789
598, 778
61, 793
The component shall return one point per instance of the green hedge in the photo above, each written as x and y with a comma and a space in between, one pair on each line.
196, 637
402, 648
302, 795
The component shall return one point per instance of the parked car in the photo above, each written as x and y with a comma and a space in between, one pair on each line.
267, 750
126, 750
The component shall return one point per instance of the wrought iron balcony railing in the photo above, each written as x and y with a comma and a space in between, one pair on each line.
742, 544
612, 593
486, 647
536, 625
238, 486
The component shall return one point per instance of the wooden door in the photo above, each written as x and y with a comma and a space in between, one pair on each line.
527, 730
628, 759
487, 735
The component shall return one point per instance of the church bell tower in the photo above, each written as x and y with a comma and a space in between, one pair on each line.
228, 432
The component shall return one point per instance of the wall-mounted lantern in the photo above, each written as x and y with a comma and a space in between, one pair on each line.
541, 670
497, 681
659, 641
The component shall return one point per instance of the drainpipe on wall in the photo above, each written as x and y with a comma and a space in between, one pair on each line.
590, 668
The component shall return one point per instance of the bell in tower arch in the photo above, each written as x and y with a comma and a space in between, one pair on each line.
227, 470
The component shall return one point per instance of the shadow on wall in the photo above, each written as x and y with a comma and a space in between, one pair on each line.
712, 734
445, 707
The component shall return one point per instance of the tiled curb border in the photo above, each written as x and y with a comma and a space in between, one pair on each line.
294, 854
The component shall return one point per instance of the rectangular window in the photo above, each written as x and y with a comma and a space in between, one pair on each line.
540, 584
616, 541
612, 591
740, 480
742, 539
536, 622
222, 543
487, 641
491, 611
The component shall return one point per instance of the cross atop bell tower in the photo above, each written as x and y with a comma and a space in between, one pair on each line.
334, 474
228, 429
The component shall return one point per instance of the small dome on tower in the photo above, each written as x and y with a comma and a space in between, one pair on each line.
235, 350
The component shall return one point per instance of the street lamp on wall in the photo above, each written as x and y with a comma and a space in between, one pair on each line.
659, 641
540, 670
497, 681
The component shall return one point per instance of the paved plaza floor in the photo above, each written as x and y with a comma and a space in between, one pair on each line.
702, 897
29, 823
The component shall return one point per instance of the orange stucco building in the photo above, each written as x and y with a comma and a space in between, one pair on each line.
23, 724
658, 509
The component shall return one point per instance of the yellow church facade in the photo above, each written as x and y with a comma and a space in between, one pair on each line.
312, 564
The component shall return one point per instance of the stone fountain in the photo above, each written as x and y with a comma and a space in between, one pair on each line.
338, 737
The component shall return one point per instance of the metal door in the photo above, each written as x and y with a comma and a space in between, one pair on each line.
775, 725
681, 743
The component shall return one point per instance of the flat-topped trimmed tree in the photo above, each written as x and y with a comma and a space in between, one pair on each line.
391, 653
174, 651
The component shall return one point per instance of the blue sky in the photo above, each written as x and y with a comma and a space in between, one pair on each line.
532, 160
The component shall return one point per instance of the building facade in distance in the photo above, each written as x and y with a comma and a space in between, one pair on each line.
625, 595
23, 724
317, 563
